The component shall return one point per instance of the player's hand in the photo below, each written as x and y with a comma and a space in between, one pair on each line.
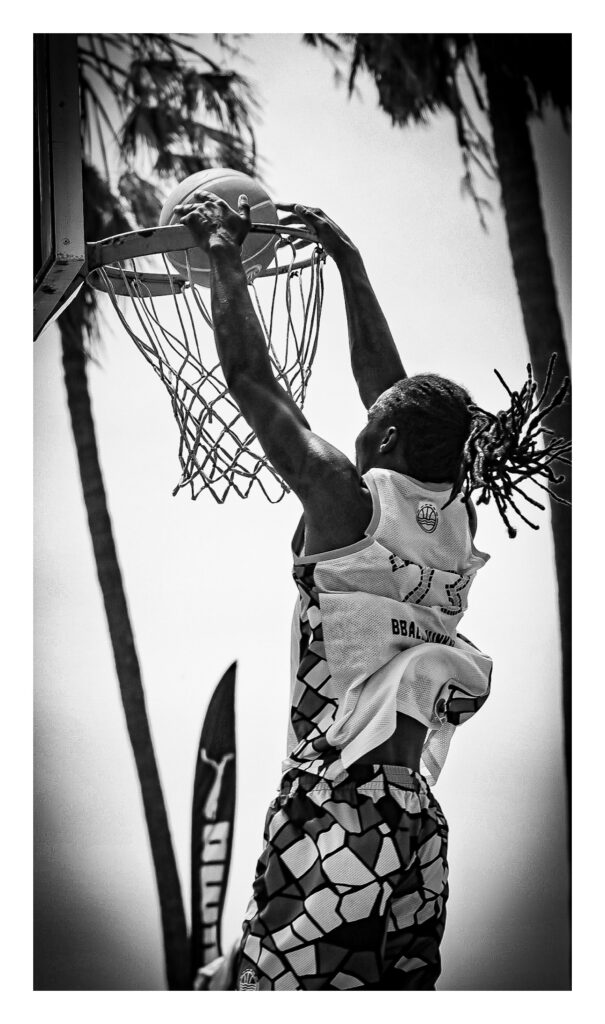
212, 220
331, 237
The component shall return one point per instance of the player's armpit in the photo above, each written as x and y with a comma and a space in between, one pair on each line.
337, 505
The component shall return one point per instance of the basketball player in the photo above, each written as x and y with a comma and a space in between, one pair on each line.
351, 887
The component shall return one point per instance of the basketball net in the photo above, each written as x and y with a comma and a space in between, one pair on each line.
173, 332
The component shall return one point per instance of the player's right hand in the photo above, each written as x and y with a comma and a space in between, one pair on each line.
331, 237
210, 218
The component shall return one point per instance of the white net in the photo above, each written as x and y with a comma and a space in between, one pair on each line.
173, 331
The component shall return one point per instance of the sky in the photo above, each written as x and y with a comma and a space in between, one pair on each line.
208, 584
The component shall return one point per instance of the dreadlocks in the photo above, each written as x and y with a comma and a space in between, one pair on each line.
447, 437
502, 450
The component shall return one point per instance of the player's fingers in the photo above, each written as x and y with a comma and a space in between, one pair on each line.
243, 207
208, 200
291, 219
307, 212
301, 211
194, 217
202, 196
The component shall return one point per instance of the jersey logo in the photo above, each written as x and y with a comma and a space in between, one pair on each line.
248, 982
427, 516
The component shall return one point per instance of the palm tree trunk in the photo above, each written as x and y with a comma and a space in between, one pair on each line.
129, 676
532, 265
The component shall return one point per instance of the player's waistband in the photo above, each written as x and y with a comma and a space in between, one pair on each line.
363, 777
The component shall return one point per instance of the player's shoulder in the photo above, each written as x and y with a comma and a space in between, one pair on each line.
337, 514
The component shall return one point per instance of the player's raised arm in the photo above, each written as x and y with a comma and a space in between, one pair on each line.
337, 507
375, 361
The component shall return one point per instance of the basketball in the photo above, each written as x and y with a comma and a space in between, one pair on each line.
257, 250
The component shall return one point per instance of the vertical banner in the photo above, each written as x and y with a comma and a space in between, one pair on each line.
212, 822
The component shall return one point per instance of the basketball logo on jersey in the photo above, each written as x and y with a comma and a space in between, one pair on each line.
427, 516
248, 982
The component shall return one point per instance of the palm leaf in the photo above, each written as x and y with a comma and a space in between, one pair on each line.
142, 197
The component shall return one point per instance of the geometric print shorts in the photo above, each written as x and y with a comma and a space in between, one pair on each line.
351, 886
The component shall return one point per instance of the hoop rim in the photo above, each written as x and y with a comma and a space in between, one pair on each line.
126, 282
172, 238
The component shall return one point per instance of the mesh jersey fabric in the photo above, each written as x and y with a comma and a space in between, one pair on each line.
375, 631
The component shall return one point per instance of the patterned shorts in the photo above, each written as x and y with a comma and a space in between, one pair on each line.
351, 887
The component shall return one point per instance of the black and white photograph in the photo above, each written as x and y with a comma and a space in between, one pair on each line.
302, 510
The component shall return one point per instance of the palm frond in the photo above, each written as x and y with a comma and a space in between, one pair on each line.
416, 76
156, 100
142, 197
320, 39
98, 108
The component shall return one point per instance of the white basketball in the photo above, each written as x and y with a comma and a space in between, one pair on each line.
257, 250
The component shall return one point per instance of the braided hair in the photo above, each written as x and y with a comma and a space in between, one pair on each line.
447, 437
502, 450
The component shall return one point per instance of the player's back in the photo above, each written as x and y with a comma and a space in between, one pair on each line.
417, 556
413, 524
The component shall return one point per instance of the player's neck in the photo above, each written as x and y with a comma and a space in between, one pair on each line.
391, 460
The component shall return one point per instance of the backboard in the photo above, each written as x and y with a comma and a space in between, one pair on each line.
59, 251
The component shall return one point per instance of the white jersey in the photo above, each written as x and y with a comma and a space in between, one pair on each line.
375, 631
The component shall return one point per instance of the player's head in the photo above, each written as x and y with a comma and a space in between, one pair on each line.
429, 428
419, 426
